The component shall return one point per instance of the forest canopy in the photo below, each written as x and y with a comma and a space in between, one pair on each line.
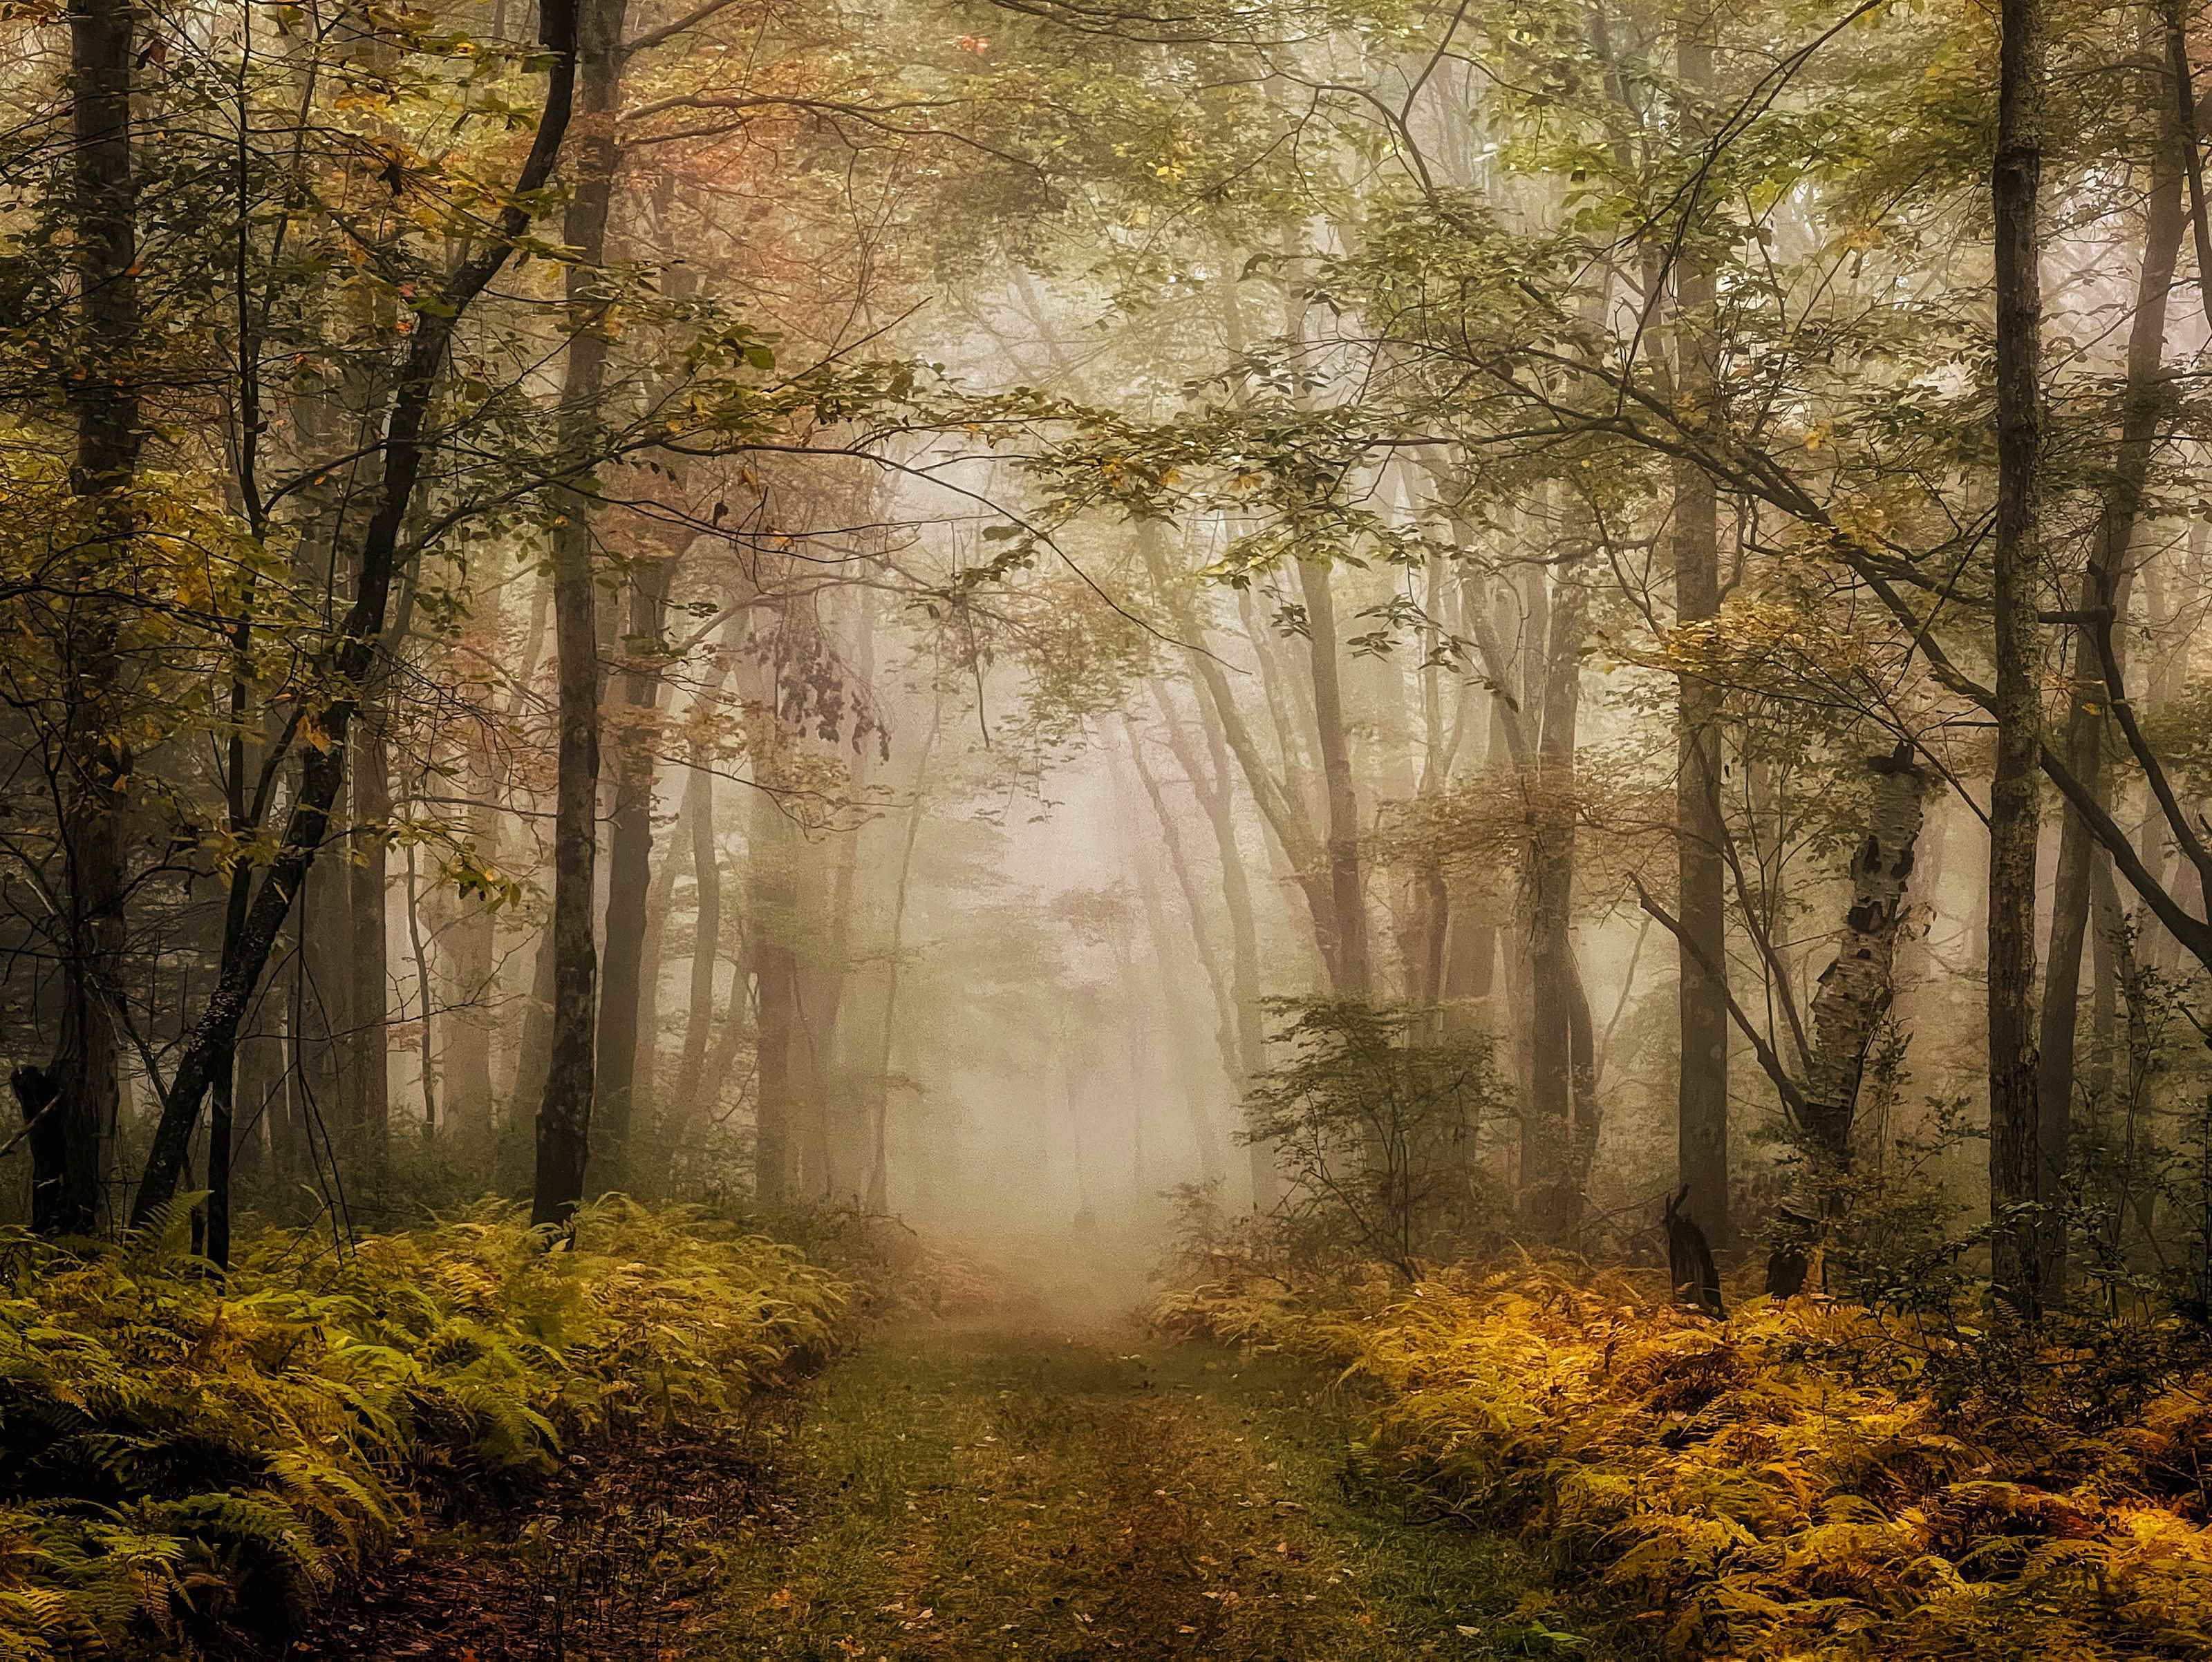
571, 579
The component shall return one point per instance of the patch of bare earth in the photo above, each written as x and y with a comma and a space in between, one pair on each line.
612, 1559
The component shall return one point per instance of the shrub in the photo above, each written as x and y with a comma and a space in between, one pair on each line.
1375, 1124
180, 1455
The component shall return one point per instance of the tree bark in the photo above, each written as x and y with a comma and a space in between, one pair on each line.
364, 1048
425, 996
82, 1068
698, 814
469, 945
564, 1111
887, 1028
257, 1082
630, 872
1279, 807
534, 1047
1855, 989
521, 1044
1211, 779
689, 1107
208, 1049
1217, 980
1553, 1132
1355, 975
1702, 1095
674, 864
2106, 582
771, 900
1204, 1130
2025, 1245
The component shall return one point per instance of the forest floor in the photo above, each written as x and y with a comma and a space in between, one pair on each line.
989, 1491
1048, 1484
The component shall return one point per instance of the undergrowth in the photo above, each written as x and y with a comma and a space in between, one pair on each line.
1802, 1480
183, 1457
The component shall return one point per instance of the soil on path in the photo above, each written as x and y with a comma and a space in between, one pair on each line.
990, 1491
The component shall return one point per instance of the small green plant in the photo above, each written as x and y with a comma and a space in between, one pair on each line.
1376, 1125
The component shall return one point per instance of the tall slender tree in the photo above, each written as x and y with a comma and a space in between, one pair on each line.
1702, 1096
2024, 1175
564, 1111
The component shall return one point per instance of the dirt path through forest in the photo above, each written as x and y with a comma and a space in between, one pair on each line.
995, 1490
1047, 1482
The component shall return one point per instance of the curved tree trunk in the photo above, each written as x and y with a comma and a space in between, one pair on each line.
2106, 582
208, 1049
1211, 779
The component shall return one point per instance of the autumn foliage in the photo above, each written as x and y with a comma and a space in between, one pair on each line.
183, 1457
1804, 1479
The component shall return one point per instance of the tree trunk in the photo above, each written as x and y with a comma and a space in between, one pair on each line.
1355, 976
534, 1052
1551, 1139
257, 1082
468, 950
1428, 963
217, 1222
326, 960
82, 1069
2025, 1247
1218, 983
425, 996
564, 1111
698, 815
208, 1049
1204, 1132
688, 1106
1855, 990
770, 900
520, 1045
1211, 779
629, 869
1702, 1097
2105, 583
887, 1029
674, 864
1280, 806
368, 873
468, 960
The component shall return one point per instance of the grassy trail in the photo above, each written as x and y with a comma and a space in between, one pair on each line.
995, 1492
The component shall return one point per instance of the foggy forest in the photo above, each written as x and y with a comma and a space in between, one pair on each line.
1248, 830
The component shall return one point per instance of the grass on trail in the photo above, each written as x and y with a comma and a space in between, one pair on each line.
979, 1492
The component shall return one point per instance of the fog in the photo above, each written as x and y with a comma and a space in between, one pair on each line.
976, 615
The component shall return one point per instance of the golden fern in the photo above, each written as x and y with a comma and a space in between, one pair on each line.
1775, 1486
178, 1453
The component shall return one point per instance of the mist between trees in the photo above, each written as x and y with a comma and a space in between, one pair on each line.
1453, 621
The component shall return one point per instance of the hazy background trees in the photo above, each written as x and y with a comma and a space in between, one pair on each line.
785, 605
